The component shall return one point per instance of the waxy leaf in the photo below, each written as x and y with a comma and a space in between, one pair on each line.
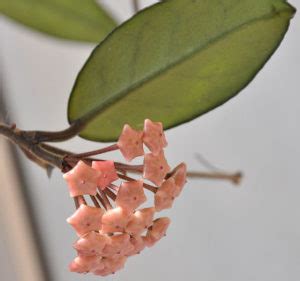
82, 20
175, 61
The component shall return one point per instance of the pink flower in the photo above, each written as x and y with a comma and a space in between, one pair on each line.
99, 267
115, 264
84, 264
140, 220
165, 195
138, 243
131, 195
91, 244
155, 167
107, 172
131, 143
86, 219
157, 231
116, 244
82, 179
115, 228
154, 137
115, 220
179, 176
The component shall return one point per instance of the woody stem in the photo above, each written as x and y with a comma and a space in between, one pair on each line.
17, 137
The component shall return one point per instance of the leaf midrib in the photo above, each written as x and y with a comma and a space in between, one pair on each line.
109, 101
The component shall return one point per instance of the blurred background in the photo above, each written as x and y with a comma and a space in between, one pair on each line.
218, 232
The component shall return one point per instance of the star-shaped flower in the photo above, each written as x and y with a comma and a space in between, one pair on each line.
155, 167
138, 243
131, 195
91, 244
165, 195
99, 268
84, 264
82, 179
130, 143
157, 231
115, 220
154, 137
115, 264
108, 173
140, 220
179, 176
86, 219
116, 244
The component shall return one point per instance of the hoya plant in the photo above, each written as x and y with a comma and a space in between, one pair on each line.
170, 63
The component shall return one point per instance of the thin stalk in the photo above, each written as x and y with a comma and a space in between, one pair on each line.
96, 152
81, 200
234, 178
105, 199
110, 194
76, 202
147, 186
96, 203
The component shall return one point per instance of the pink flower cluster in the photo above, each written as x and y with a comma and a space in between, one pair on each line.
116, 228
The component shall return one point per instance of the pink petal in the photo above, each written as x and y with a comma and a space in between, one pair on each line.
155, 168
91, 244
169, 187
165, 195
103, 272
115, 220
162, 201
157, 231
140, 220
179, 176
107, 172
131, 195
154, 137
115, 264
116, 244
138, 243
99, 267
84, 264
131, 143
86, 219
82, 179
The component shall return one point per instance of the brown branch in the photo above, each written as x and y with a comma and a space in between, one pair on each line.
234, 178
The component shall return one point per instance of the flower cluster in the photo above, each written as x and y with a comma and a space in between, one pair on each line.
115, 227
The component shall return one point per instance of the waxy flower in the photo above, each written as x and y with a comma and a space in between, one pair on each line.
86, 219
82, 179
157, 231
90, 244
131, 143
155, 167
115, 220
140, 220
131, 195
154, 137
108, 173
116, 227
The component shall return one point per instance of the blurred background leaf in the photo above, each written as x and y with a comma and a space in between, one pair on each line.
82, 20
175, 61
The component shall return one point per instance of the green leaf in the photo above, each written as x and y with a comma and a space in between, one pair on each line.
82, 20
175, 61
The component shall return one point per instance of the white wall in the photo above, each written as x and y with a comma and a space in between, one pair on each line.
218, 233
